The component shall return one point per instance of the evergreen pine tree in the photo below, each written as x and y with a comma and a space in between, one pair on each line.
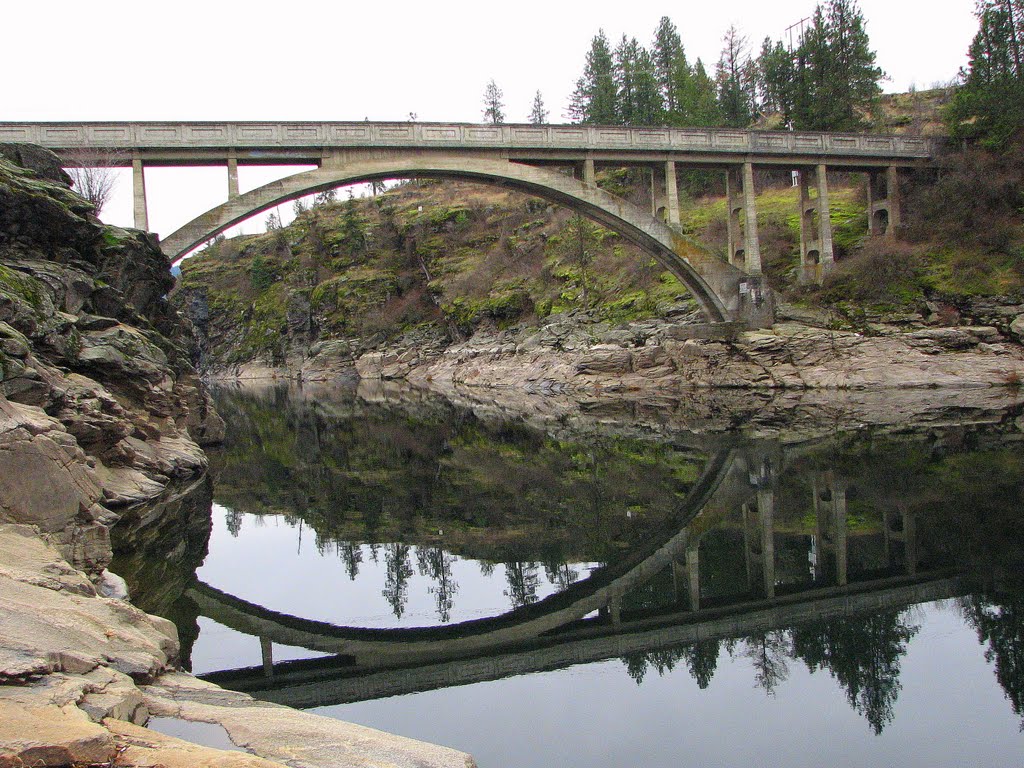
594, 100
853, 80
538, 115
989, 105
625, 62
649, 107
735, 78
776, 80
703, 108
670, 67
831, 77
493, 105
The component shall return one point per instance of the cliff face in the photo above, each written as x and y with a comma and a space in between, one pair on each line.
100, 407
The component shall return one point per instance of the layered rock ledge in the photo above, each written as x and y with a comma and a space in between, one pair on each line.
102, 411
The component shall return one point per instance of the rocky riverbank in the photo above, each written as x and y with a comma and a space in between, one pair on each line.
101, 415
801, 352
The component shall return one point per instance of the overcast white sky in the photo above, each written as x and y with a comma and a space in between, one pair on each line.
342, 60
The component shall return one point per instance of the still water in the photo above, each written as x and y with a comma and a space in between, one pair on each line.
603, 594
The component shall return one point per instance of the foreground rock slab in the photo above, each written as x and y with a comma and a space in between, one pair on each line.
53, 620
296, 738
51, 736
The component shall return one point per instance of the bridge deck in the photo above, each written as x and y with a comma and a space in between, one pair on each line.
269, 143
322, 682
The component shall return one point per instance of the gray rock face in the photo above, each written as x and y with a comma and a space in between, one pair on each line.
87, 337
669, 360
43, 162
1017, 328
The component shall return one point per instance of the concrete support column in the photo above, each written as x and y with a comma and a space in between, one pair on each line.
267, 651
907, 536
693, 574
734, 223
750, 239
872, 179
615, 609
842, 544
232, 176
766, 508
589, 174
817, 254
910, 540
824, 220
751, 553
892, 176
809, 254
884, 212
672, 188
759, 543
832, 551
139, 194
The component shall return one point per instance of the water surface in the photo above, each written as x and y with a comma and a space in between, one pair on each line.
602, 594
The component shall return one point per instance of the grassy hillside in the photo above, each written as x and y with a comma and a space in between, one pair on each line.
452, 256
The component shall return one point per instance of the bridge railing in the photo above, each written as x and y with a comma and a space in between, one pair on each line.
284, 135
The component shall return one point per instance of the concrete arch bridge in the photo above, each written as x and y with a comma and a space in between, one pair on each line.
555, 162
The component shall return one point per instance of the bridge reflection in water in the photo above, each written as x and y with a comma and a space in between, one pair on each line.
651, 599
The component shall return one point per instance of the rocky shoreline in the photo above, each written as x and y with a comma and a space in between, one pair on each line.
571, 360
102, 414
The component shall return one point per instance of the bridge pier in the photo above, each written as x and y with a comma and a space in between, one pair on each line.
906, 534
665, 193
686, 574
267, 652
883, 202
817, 255
589, 172
232, 175
831, 550
759, 543
672, 188
139, 194
744, 245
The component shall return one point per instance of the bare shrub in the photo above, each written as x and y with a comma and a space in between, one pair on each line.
93, 174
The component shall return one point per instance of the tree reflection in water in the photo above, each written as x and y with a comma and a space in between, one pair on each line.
368, 479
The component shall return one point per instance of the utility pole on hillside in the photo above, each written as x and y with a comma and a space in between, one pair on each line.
800, 37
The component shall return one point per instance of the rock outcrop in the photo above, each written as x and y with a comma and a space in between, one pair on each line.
100, 407
569, 355
100, 411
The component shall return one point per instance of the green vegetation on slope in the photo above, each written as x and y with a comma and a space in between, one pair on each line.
454, 257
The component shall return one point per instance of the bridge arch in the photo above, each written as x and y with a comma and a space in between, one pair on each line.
715, 284
723, 482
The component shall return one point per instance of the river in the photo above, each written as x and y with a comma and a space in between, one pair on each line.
599, 592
